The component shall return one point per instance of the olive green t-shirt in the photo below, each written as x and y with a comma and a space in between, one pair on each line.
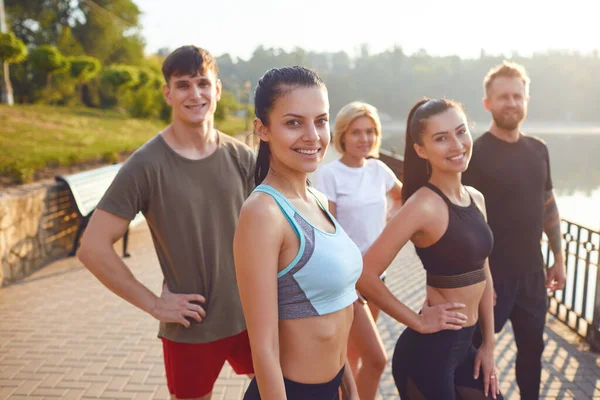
192, 208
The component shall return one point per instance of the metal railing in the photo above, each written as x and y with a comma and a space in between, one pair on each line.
578, 304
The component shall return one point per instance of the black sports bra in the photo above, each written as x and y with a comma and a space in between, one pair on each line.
457, 258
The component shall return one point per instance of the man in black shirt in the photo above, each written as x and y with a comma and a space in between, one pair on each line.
512, 170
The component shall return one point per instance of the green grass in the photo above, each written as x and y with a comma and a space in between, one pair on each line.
33, 137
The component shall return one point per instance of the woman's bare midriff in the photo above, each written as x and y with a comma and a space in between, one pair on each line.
470, 296
313, 349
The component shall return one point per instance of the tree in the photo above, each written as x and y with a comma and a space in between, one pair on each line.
341, 62
49, 60
145, 99
226, 106
106, 29
12, 51
117, 82
111, 31
38, 22
121, 76
83, 69
67, 44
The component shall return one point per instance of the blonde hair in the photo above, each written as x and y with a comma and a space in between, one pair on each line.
507, 69
347, 115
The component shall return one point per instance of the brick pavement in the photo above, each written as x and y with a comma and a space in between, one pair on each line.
63, 335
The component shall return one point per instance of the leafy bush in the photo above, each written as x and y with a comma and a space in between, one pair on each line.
49, 60
84, 68
120, 76
19, 172
12, 49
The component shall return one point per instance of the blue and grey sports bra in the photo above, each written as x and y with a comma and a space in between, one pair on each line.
457, 258
321, 279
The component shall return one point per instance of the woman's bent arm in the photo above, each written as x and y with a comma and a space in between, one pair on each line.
486, 310
484, 360
410, 220
257, 243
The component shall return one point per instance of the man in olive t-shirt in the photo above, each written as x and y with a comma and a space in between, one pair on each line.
190, 182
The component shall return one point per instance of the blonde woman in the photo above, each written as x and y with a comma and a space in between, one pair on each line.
357, 186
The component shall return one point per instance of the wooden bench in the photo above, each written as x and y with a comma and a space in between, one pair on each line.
86, 189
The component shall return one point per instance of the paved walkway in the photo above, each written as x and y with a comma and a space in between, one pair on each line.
63, 335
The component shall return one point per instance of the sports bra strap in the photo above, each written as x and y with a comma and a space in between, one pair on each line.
326, 209
286, 208
283, 203
445, 198
438, 191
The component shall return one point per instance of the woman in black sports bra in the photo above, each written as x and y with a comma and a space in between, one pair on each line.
434, 357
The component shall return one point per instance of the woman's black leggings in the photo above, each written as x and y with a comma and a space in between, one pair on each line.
437, 366
303, 391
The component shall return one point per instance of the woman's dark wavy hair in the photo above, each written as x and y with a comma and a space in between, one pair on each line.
416, 169
275, 83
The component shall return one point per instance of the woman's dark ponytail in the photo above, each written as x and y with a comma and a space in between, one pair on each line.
262, 162
416, 169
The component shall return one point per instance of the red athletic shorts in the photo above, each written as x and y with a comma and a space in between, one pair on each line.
193, 368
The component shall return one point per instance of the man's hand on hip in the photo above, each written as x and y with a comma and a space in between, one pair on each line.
171, 307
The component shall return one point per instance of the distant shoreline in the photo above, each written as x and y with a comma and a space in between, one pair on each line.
392, 128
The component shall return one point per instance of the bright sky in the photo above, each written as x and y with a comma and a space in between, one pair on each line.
441, 27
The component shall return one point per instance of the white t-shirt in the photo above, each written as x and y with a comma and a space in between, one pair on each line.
360, 197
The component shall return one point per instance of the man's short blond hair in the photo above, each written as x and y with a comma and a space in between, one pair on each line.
507, 69
347, 115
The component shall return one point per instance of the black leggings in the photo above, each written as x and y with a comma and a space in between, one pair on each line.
437, 366
303, 391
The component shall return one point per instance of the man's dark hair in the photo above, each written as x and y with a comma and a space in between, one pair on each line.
188, 60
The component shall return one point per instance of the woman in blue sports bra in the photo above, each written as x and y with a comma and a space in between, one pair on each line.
434, 357
296, 267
